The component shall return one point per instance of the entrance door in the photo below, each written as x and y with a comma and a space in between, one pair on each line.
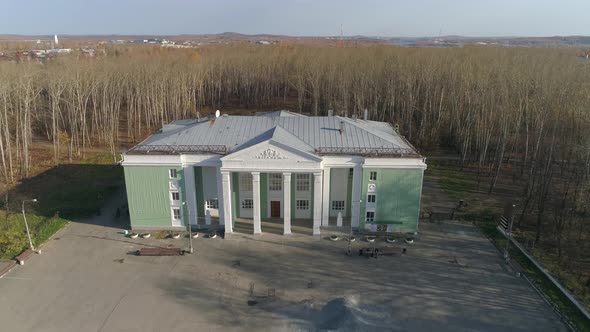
275, 209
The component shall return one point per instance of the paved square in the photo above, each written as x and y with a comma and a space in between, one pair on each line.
451, 279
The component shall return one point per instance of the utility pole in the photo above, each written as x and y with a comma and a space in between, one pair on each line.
190, 232
34, 200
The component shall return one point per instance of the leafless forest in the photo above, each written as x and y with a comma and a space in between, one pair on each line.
511, 112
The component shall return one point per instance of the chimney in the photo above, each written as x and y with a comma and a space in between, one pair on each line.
366, 117
354, 116
341, 127
330, 112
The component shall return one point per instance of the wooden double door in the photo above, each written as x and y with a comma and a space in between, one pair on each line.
275, 209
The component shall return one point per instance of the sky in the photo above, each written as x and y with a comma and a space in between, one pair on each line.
387, 18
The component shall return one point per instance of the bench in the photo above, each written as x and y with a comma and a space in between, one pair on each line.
374, 252
159, 251
23, 256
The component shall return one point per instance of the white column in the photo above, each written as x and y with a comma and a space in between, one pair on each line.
286, 203
227, 216
326, 198
220, 196
317, 202
357, 200
191, 194
256, 200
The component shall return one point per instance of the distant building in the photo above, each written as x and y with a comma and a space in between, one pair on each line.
279, 166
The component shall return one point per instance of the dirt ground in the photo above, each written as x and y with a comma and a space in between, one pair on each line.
87, 279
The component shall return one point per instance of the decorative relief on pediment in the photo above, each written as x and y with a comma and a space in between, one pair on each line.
270, 154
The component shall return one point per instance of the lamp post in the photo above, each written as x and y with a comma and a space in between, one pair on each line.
349, 250
34, 200
190, 233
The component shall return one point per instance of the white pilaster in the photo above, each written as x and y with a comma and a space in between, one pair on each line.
191, 195
357, 200
227, 215
287, 203
326, 198
317, 202
220, 197
256, 199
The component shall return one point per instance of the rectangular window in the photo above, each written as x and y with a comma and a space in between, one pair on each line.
173, 173
174, 185
175, 196
275, 182
370, 216
176, 214
302, 182
338, 205
247, 204
373, 176
350, 172
371, 198
302, 204
212, 203
245, 182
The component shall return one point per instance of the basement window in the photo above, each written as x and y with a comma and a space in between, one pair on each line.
173, 173
338, 205
302, 204
370, 216
373, 176
212, 203
176, 214
247, 204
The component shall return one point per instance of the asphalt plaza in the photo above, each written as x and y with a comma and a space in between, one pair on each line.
87, 279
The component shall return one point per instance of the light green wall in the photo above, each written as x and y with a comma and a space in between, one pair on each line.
293, 176
349, 194
263, 196
398, 197
199, 194
235, 188
148, 195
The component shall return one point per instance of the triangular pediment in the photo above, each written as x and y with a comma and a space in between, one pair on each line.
273, 152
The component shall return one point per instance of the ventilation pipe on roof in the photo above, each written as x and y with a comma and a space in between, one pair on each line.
330, 112
366, 116
396, 128
341, 127
354, 116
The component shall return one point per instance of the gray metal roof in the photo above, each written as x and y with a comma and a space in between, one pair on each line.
319, 135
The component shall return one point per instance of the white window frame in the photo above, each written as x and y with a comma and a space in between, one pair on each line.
174, 185
371, 218
338, 205
246, 182
303, 182
173, 173
275, 180
302, 204
248, 204
174, 209
369, 198
373, 176
209, 205
175, 201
